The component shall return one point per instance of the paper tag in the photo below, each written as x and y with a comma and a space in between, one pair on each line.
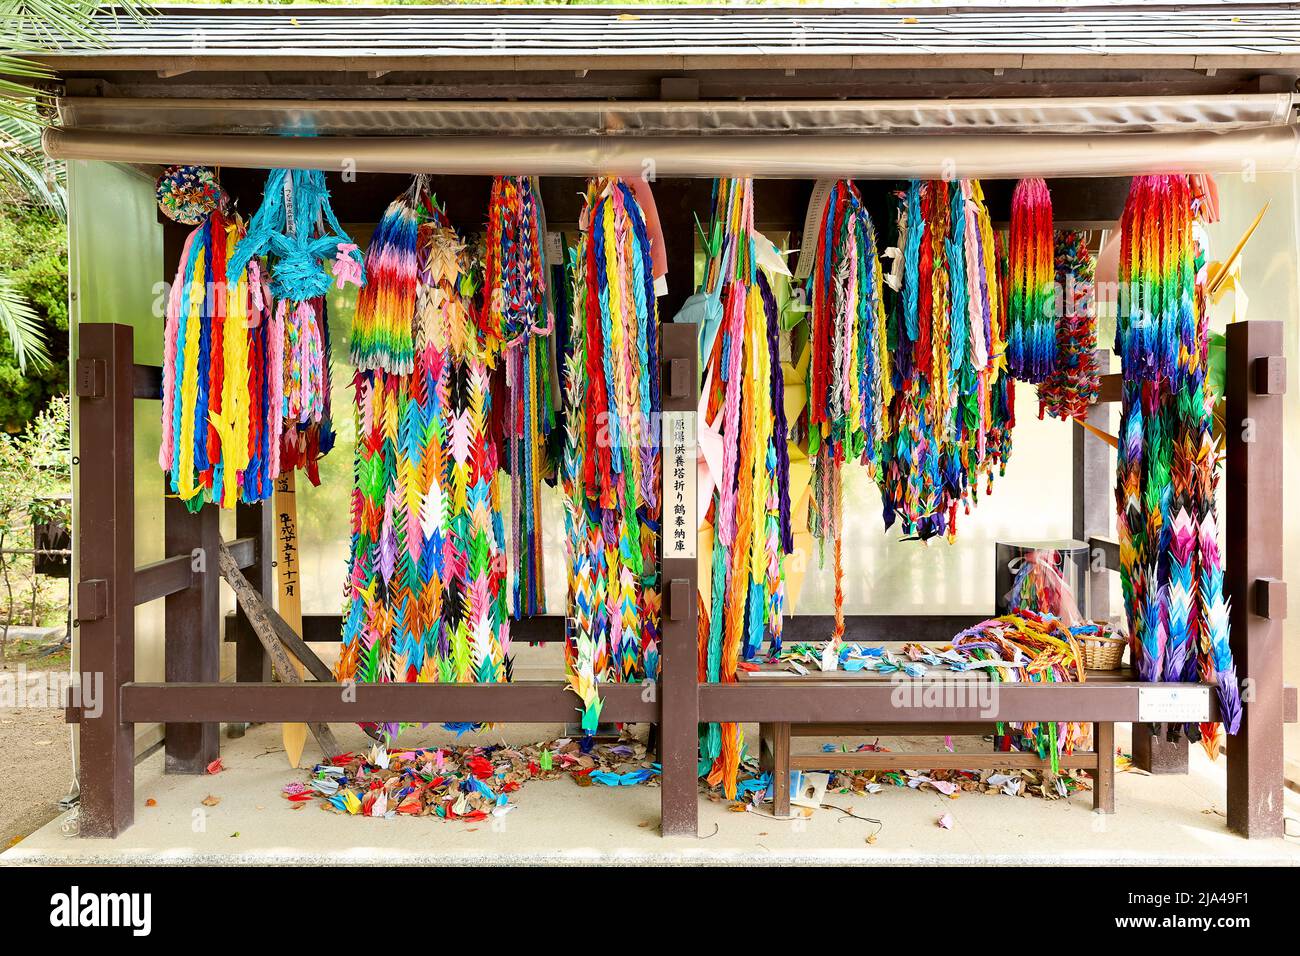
680, 473
812, 219
554, 249
1173, 705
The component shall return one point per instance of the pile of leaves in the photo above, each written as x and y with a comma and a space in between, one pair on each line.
754, 785
1015, 783
466, 783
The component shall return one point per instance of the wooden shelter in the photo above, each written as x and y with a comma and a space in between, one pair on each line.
1085, 96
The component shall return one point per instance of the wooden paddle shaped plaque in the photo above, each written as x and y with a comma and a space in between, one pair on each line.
288, 575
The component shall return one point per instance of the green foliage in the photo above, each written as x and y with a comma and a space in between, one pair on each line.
35, 486
34, 261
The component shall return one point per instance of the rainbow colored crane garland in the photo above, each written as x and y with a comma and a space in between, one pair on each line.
221, 416
949, 420
850, 386
426, 571
1171, 566
1031, 322
743, 391
304, 245
515, 290
610, 464
1071, 387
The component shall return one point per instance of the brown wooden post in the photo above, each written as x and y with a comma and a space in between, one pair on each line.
1253, 424
252, 665
1103, 784
193, 629
104, 383
679, 675
1154, 753
1093, 499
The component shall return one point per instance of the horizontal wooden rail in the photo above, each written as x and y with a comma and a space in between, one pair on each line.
520, 702
175, 574
326, 628
870, 760
893, 730
161, 578
549, 628
875, 628
852, 705
1111, 389
797, 701
146, 381
244, 551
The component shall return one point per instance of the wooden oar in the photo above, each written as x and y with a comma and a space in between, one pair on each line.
288, 578
261, 616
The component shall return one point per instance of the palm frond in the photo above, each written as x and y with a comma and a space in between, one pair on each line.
22, 326
50, 24
24, 170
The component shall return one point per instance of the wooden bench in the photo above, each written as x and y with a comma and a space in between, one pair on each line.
776, 756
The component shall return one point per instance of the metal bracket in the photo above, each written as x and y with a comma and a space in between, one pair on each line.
92, 374
1270, 599
92, 600
1270, 375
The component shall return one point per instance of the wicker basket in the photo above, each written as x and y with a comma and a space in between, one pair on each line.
1103, 651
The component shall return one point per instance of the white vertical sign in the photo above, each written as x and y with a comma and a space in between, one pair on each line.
680, 519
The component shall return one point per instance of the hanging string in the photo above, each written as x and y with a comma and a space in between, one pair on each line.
381, 325
515, 291
1072, 385
849, 359
1171, 569
426, 594
1031, 342
219, 420
949, 407
743, 388
306, 251
610, 464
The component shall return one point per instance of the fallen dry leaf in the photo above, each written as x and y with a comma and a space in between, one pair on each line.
151, 802
211, 801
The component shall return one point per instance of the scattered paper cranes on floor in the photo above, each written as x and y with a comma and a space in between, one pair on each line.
426, 571
1171, 567
610, 464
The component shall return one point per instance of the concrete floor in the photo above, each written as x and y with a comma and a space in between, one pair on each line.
1163, 820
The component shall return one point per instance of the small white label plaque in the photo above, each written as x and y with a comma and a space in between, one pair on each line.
680, 520
1173, 705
